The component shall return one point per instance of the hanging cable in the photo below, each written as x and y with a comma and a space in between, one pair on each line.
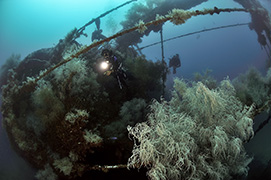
195, 32
80, 30
163, 60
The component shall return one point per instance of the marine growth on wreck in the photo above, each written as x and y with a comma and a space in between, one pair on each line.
69, 120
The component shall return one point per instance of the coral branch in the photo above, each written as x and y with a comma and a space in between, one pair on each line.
105, 168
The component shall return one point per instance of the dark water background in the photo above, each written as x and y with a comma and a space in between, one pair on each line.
28, 25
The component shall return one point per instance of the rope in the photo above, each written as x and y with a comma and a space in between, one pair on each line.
163, 60
173, 17
195, 32
80, 30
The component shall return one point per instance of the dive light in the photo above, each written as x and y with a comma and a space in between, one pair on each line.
104, 65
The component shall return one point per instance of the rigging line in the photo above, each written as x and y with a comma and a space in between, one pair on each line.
265, 122
80, 30
195, 32
163, 60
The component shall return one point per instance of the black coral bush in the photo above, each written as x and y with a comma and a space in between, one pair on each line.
199, 134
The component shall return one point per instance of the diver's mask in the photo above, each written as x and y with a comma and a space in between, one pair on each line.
106, 55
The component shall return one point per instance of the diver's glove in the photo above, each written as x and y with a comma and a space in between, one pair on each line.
107, 73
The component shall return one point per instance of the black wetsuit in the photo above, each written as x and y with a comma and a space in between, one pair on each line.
175, 62
117, 70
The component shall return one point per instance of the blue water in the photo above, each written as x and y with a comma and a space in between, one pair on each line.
29, 25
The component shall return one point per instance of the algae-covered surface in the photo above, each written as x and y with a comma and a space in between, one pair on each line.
140, 89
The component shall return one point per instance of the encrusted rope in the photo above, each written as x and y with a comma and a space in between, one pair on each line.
176, 16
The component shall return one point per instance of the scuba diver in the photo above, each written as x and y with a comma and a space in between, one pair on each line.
113, 66
97, 34
175, 62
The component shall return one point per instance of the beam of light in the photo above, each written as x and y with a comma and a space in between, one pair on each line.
104, 65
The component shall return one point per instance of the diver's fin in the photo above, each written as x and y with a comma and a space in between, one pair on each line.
120, 85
